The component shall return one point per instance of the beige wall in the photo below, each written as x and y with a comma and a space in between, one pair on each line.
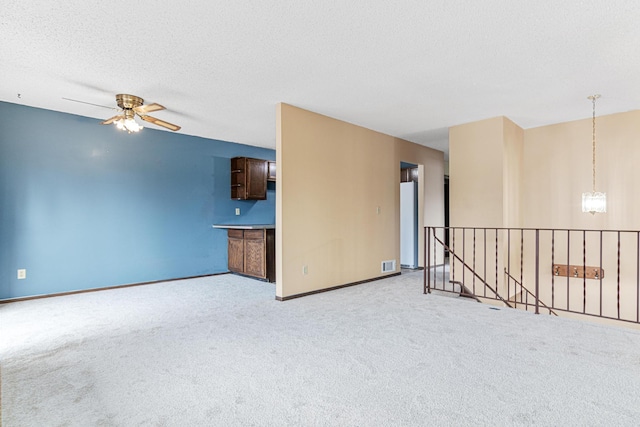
485, 167
476, 174
332, 178
496, 180
557, 170
544, 172
513, 162
485, 182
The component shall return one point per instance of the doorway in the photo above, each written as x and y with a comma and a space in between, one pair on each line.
408, 215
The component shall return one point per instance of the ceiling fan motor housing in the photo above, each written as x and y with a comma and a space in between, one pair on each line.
127, 102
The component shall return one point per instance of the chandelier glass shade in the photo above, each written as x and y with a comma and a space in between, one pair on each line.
594, 202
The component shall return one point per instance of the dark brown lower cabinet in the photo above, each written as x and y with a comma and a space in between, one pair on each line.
236, 251
252, 253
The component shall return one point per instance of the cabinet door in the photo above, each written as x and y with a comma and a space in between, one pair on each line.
255, 254
272, 171
256, 185
236, 251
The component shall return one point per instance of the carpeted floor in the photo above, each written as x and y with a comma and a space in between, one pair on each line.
220, 351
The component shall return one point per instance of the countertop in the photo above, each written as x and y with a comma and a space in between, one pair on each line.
245, 226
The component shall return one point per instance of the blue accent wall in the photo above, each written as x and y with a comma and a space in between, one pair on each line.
87, 206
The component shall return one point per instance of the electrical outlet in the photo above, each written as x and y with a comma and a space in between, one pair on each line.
305, 270
237, 211
22, 273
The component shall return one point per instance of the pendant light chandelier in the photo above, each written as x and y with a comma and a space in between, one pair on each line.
594, 202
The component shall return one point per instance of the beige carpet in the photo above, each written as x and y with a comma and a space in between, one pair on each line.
220, 351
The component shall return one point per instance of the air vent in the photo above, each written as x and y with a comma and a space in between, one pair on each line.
388, 266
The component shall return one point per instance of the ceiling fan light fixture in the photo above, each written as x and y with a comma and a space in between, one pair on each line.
130, 125
127, 122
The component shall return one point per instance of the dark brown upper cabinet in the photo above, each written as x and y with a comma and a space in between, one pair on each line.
248, 178
272, 171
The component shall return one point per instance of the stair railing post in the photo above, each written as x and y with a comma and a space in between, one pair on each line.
427, 254
537, 271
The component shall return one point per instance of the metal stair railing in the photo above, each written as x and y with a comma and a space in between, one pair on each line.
528, 293
566, 267
463, 289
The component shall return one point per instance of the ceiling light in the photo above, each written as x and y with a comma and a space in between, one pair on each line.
594, 202
130, 125
128, 122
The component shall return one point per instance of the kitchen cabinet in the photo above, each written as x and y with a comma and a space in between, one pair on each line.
248, 178
252, 253
236, 250
271, 175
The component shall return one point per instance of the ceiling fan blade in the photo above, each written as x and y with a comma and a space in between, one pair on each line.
89, 103
159, 122
144, 109
112, 119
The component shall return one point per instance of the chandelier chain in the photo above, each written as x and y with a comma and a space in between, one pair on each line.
594, 141
594, 202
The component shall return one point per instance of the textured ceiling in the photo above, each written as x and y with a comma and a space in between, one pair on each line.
406, 68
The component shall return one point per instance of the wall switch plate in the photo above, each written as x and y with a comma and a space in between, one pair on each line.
305, 270
22, 273
378, 210
237, 211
